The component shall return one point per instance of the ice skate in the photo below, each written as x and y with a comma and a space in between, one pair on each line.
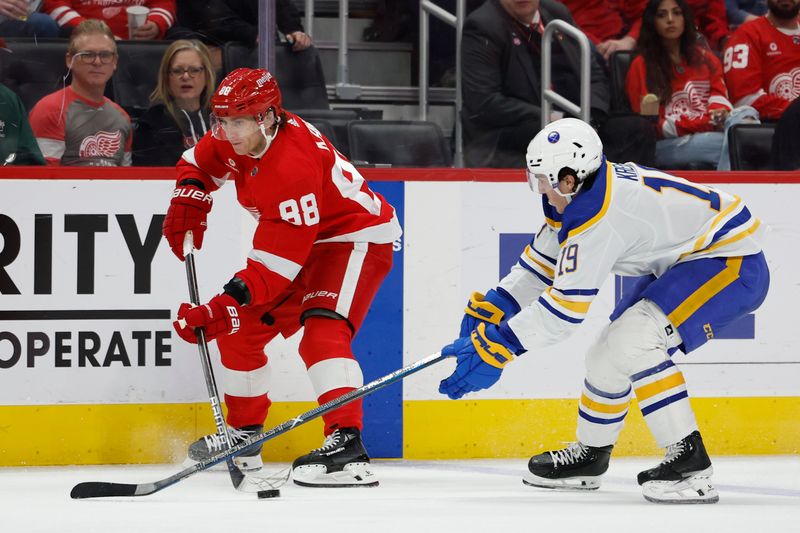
684, 476
342, 461
576, 467
210, 445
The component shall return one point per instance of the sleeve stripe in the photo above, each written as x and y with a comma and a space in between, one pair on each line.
544, 279
578, 292
559, 314
547, 258
62, 20
275, 263
580, 308
546, 268
163, 13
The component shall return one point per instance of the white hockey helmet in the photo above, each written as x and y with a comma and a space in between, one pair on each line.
567, 142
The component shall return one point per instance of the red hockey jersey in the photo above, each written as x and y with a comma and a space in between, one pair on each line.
695, 92
301, 191
762, 67
73, 12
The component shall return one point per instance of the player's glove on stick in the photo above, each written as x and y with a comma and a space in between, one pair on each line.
480, 359
493, 308
220, 316
188, 210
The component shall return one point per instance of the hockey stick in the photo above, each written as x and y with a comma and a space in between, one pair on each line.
99, 489
237, 476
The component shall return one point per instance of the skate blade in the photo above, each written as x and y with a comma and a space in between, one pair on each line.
696, 489
578, 483
352, 475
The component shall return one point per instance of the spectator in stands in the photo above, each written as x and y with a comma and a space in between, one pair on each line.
762, 64
220, 21
741, 11
500, 67
77, 125
21, 18
611, 25
179, 114
684, 84
69, 13
17, 144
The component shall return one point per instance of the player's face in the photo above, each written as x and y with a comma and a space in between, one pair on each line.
187, 77
784, 9
522, 10
669, 20
243, 132
93, 60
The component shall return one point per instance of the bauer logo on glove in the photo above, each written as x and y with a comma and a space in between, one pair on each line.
220, 316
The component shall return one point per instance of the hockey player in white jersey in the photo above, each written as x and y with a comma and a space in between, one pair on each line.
700, 249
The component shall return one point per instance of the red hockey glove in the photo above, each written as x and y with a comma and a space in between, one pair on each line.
187, 211
220, 316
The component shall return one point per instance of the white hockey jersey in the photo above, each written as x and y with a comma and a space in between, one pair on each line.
633, 221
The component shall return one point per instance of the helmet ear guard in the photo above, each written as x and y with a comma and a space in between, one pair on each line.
566, 146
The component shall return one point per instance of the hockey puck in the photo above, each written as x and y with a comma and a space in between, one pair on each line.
272, 493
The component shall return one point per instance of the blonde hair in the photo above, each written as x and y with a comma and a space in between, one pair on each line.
161, 92
90, 27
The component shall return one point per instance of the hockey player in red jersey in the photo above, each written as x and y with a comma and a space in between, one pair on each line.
322, 246
762, 60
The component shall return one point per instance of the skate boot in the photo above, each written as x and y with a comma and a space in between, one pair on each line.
210, 445
576, 467
342, 461
684, 476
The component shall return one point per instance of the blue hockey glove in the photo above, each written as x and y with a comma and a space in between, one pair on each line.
493, 308
480, 359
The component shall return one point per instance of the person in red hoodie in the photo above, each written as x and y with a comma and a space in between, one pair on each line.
69, 13
614, 25
762, 68
682, 83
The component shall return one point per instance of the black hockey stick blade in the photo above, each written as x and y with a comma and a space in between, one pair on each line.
100, 489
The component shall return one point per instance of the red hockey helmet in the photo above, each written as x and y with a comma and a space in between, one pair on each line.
247, 91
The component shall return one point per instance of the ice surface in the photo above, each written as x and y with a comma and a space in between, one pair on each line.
756, 494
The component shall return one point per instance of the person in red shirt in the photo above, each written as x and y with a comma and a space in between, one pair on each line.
685, 80
322, 247
762, 69
69, 13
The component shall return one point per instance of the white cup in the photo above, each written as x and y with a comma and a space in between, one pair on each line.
137, 15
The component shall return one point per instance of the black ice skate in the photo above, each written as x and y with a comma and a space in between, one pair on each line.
684, 476
342, 461
576, 467
210, 445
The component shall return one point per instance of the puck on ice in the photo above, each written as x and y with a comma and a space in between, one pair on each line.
272, 493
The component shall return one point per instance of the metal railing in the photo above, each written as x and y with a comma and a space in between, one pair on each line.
427, 9
550, 97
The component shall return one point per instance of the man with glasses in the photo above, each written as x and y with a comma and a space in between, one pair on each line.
78, 125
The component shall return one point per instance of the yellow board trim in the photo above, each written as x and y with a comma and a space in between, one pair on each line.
466, 429
49, 435
651, 389
592, 221
603, 407
433, 429
707, 291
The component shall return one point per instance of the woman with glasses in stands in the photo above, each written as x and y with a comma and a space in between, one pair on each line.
179, 114
679, 81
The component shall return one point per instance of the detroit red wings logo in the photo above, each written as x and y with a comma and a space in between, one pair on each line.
786, 85
691, 102
102, 144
